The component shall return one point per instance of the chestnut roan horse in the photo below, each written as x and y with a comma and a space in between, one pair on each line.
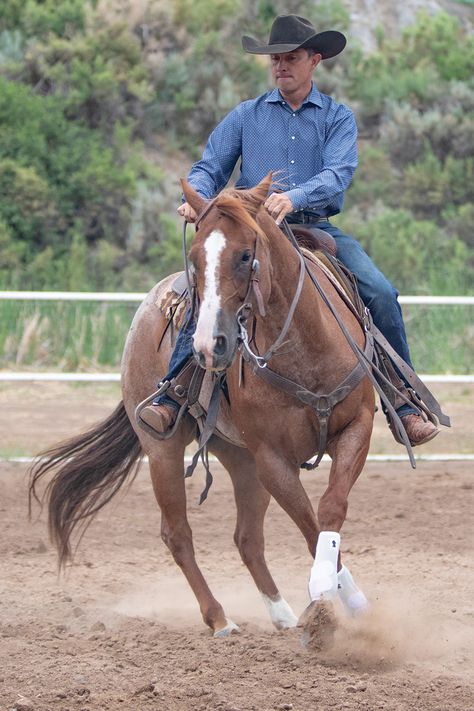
279, 431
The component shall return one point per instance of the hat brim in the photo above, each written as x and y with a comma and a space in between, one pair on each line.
327, 44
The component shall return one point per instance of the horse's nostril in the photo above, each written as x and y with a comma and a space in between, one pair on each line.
220, 345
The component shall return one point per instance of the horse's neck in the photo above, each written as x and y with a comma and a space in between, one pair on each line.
308, 327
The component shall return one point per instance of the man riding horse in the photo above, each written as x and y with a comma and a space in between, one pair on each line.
309, 141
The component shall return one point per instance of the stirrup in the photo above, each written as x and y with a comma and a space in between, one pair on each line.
148, 401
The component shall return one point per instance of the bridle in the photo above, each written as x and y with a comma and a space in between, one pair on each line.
253, 289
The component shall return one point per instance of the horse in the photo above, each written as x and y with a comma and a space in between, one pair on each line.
279, 431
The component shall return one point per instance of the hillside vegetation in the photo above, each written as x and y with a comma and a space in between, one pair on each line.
103, 105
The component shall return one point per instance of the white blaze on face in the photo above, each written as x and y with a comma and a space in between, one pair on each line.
211, 303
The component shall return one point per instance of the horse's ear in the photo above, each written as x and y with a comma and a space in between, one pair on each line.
260, 191
255, 197
197, 202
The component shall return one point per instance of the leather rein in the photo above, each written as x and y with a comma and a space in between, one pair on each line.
322, 402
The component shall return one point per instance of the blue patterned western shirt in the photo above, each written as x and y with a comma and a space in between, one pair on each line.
312, 151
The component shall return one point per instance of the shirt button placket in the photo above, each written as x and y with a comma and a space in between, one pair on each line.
292, 149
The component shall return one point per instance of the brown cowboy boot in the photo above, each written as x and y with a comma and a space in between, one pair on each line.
159, 417
418, 430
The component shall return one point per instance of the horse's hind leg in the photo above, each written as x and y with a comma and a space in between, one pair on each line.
252, 501
167, 474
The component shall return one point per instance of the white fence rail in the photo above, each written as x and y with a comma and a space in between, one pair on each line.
134, 297
115, 377
71, 296
419, 457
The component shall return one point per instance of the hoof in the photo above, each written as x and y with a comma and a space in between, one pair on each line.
285, 624
226, 631
281, 614
319, 624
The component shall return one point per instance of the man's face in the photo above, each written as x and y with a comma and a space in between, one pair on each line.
293, 70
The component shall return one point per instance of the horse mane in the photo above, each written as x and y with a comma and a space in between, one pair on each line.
241, 206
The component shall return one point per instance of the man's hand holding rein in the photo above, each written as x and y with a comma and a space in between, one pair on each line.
186, 211
279, 206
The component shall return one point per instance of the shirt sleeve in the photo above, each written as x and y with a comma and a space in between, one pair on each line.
212, 173
340, 162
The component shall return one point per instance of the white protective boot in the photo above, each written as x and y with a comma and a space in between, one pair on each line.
323, 582
352, 598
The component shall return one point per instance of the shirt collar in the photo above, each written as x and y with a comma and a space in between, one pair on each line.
314, 97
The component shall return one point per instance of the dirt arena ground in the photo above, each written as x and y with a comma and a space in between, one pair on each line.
122, 631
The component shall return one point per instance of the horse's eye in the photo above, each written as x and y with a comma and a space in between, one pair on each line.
246, 257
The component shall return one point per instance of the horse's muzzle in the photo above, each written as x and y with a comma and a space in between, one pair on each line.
219, 354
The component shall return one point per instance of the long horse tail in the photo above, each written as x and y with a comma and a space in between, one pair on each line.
88, 471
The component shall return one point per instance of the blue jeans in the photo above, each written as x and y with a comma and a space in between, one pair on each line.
183, 351
375, 290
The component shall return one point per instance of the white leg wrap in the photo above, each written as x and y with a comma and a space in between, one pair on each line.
323, 577
352, 598
280, 612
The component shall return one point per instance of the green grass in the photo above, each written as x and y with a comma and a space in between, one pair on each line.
63, 335
90, 336
13, 451
441, 338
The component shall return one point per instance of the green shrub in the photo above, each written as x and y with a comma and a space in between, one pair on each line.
202, 16
374, 180
26, 203
12, 47
440, 39
418, 256
63, 19
99, 77
10, 14
446, 128
41, 17
428, 186
436, 49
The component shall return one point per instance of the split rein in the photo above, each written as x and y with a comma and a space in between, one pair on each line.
321, 402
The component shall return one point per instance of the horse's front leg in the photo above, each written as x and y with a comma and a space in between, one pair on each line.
166, 469
281, 478
252, 501
328, 577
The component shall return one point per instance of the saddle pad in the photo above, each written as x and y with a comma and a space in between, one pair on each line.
321, 260
173, 306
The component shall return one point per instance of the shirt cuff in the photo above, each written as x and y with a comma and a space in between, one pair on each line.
298, 198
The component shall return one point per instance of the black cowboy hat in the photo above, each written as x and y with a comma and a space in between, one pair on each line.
290, 32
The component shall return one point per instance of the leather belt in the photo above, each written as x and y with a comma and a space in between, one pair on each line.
304, 218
